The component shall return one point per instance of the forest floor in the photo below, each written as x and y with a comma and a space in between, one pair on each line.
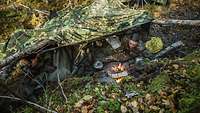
175, 89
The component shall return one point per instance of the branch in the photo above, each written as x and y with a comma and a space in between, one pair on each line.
43, 12
61, 88
30, 103
179, 22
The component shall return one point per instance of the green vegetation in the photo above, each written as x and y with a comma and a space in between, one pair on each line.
159, 94
159, 83
175, 89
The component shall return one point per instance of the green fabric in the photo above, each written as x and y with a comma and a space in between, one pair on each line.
164, 2
100, 18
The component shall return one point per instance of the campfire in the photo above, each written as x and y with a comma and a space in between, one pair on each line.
117, 71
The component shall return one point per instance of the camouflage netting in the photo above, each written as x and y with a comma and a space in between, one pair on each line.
83, 23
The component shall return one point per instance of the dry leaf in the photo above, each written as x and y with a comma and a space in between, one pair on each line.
123, 109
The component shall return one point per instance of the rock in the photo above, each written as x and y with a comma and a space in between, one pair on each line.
103, 78
131, 94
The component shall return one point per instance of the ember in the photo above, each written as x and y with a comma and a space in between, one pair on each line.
118, 80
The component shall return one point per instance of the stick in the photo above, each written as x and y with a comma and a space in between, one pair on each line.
30, 103
179, 22
61, 88
43, 12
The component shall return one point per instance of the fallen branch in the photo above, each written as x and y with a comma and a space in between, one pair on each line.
40, 108
61, 88
36, 10
179, 22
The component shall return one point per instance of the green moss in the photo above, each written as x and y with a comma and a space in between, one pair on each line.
27, 109
158, 83
111, 105
194, 70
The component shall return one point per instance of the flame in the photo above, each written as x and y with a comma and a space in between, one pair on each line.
118, 68
118, 80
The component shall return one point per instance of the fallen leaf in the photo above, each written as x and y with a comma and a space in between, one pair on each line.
176, 66
84, 109
148, 96
134, 103
154, 108
123, 109
79, 103
87, 97
166, 102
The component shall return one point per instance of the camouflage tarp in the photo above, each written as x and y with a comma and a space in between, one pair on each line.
82, 23
164, 2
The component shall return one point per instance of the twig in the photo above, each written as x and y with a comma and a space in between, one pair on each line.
44, 12
61, 88
30, 103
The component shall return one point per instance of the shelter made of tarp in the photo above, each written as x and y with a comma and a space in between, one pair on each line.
102, 17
